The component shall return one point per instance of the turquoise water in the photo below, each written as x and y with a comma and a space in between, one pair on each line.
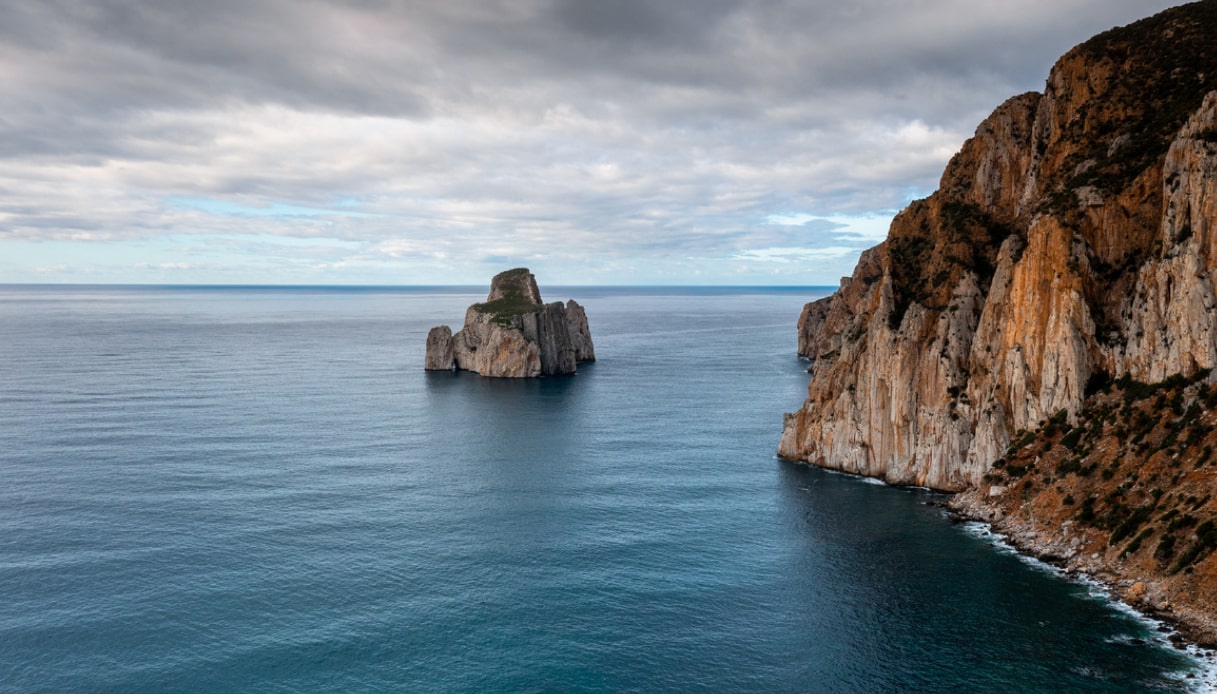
260, 490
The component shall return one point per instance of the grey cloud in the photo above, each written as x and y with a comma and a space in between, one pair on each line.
627, 128
403, 59
639, 22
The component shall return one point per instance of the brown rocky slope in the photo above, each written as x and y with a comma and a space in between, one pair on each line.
1125, 493
1072, 242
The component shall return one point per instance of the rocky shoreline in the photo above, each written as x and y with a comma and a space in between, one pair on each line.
1067, 549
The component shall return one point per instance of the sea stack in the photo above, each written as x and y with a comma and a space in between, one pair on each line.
513, 334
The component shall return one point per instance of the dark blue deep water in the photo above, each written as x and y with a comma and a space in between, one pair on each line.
261, 490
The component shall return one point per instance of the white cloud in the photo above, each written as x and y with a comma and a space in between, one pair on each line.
796, 219
797, 255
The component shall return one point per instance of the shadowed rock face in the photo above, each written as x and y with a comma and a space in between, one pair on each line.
1074, 236
513, 334
440, 355
580, 333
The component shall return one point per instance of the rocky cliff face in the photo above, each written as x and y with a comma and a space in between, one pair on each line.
440, 353
1071, 239
580, 333
513, 334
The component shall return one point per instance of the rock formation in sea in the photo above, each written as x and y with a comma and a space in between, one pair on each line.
513, 334
1072, 243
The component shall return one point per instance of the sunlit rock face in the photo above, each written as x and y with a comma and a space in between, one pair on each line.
1071, 238
513, 334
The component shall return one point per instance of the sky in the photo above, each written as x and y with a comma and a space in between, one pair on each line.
727, 142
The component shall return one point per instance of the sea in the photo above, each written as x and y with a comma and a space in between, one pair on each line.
259, 489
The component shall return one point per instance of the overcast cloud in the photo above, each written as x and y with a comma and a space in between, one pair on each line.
596, 141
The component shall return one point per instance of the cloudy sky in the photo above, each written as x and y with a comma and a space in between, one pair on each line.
425, 142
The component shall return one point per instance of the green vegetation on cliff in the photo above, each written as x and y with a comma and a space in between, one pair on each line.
1137, 469
517, 296
504, 309
1154, 72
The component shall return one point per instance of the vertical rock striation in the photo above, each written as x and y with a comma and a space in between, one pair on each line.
580, 333
513, 334
440, 353
1071, 239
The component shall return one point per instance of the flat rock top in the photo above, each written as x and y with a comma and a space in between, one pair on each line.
512, 293
518, 285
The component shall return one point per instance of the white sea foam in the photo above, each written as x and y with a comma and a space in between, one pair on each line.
1203, 676
852, 475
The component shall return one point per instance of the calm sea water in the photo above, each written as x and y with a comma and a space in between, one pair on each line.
261, 490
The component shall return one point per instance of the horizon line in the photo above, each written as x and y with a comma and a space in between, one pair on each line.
198, 285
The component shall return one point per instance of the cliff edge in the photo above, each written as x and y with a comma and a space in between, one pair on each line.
514, 334
1071, 245
1071, 237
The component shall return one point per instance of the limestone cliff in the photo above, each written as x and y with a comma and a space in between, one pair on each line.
513, 334
1073, 237
1039, 332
